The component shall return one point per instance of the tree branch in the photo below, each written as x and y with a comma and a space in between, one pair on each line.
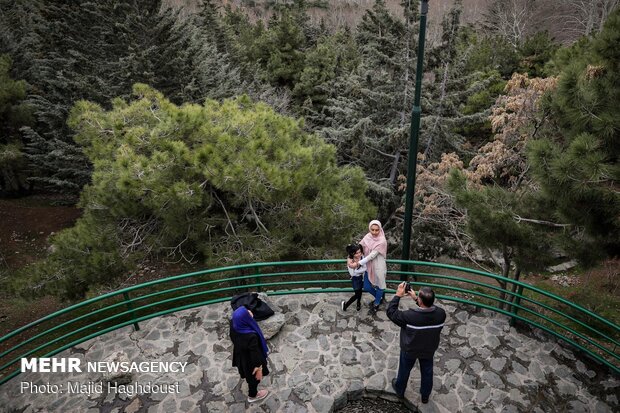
540, 222
258, 221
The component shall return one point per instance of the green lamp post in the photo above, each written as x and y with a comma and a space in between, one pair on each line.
414, 133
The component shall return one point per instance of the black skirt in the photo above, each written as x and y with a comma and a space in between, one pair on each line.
247, 353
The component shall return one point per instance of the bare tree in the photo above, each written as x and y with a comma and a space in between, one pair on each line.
511, 19
571, 19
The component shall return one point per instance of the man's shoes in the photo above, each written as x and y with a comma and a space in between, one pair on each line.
259, 396
396, 391
344, 308
371, 304
359, 306
424, 400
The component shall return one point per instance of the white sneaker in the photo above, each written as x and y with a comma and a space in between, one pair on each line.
259, 396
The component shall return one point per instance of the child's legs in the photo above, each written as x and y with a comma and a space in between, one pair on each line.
351, 300
358, 296
358, 285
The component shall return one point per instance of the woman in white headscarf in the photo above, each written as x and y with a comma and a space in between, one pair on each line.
375, 252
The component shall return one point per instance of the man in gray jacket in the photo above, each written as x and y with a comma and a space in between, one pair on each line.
420, 330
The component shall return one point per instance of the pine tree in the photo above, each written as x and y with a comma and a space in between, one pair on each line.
280, 50
367, 116
489, 52
333, 57
213, 55
536, 51
14, 113
457, 103
220, 183
71, 50
577, 167
493, 222
246, 35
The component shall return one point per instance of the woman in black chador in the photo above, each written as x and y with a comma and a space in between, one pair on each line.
249, 351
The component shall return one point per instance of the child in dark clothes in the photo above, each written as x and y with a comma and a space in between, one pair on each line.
356, 271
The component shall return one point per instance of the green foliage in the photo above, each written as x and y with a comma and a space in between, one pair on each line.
366, 116
478, 131
14, 113
493, 222
220, 183
485, 98
71, 50
246, 35
577, 167
280, 50
458, 101
490, 53
536, 51
86, 257
330, 58
210, 54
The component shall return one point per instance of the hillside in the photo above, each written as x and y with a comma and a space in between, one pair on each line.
565, 20
338, 13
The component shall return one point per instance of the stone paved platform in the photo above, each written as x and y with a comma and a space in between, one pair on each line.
323, 356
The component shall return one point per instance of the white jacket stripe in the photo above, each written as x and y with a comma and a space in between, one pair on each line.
424, 327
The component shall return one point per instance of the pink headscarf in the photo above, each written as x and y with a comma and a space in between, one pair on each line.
370, 243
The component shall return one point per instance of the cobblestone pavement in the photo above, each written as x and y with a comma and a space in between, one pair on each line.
320, 357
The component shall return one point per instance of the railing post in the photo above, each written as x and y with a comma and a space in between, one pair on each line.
130, 307
515, 302
257, 280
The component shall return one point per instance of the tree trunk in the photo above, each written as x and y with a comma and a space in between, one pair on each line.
514, 286
394, 169
506, 274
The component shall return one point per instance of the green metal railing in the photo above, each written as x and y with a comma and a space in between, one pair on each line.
586, 331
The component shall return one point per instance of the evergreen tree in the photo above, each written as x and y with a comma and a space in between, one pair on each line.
333, 57
320, 68
577, 168
457, 103
219, 183
246, 35
71, 50
14, 113
280, 50
212, 55
536, 51
367, 116
490, 52
492, 222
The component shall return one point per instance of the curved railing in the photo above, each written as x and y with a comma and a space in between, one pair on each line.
588, 332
